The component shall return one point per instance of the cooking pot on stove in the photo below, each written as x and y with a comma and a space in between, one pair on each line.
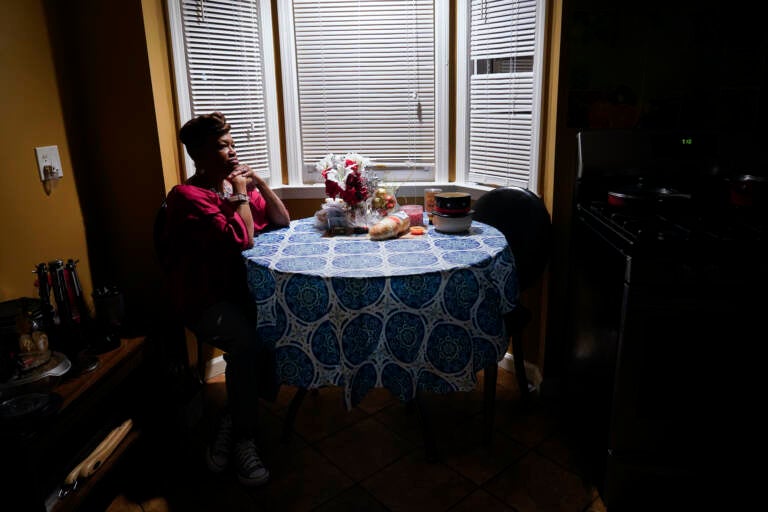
642, 195
748, 190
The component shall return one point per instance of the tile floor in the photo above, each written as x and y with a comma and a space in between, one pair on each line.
372, 459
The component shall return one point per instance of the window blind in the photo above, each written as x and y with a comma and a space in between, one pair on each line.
503, 111
224, 70
366, 82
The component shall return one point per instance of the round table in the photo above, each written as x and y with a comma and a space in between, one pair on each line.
405, 314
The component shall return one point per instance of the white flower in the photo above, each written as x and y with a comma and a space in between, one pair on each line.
325, 162
333, 175
358, 160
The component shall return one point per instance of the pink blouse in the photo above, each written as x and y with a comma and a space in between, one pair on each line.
205, 237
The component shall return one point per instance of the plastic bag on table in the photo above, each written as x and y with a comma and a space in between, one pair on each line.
333, 212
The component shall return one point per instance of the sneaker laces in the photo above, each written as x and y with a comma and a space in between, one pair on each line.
248, 461
222, 443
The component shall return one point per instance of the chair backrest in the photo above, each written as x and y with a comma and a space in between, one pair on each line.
159, 235
522, 217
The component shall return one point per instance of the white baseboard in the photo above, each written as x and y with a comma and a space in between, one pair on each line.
532, 372
215, 367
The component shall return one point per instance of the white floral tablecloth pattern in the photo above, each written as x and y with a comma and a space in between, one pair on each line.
402, 314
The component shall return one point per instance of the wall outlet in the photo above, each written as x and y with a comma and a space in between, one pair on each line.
49, 163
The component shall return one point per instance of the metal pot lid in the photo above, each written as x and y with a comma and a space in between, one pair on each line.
750, 177
58, 365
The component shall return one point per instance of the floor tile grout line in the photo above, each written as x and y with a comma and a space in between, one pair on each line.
363, 489
534, 449
561, 465
340, 430
480, 488
473, 484
412, 448
439, 462
356, 482
384, 467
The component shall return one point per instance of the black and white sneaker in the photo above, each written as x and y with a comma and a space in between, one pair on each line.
250, 469
217, 454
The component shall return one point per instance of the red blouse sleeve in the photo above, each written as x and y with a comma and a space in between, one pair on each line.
214, 218
258, 210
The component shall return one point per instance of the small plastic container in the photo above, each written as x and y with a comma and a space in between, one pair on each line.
415, 213
429, 200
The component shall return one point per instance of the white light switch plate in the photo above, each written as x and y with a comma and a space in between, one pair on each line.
49, 163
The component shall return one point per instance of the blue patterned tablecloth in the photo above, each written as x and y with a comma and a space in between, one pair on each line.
420, 312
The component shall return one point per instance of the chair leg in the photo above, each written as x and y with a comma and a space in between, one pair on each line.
517, 352
515, 321
293, 409
200, 362
490, 375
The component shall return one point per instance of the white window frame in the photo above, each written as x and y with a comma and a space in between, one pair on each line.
291, 95
463, 63
295, 187
184, 100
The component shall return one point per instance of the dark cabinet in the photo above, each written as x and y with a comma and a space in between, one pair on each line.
38, 454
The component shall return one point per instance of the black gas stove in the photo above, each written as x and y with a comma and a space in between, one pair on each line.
734, 225
651, 189
668, 288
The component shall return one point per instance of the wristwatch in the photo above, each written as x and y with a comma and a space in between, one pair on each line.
238, 199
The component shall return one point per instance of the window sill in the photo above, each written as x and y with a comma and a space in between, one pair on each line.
411, 189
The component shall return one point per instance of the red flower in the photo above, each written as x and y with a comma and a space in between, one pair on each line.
332, 189
349, 196
352, 189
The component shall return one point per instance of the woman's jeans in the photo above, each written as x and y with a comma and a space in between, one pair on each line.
231, 327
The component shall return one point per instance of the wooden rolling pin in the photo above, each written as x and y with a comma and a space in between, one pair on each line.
90, 464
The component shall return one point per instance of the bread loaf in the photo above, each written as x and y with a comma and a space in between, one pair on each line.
390, 226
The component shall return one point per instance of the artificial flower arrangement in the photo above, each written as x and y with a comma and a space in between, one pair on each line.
355, 199
345, 177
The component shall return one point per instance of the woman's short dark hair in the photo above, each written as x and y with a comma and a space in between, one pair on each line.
198, 130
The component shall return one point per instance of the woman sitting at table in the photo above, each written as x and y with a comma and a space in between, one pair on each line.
211, 219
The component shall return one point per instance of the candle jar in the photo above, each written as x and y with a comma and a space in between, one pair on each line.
429, 201
415, 213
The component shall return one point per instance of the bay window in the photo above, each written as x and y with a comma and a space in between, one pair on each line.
371, 77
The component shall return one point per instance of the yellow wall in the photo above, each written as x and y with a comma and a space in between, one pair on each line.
162, 88
35, 227
114, 126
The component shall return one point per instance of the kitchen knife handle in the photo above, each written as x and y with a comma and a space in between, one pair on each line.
112, 441
90, 464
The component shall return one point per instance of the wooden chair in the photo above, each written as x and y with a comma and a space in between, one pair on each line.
186, 344
525, 222
174, 327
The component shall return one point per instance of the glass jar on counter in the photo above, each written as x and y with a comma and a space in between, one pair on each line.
32, 336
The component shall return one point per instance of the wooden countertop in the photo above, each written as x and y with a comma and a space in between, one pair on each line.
72, 389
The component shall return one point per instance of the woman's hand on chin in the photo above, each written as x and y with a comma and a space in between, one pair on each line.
244, 172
